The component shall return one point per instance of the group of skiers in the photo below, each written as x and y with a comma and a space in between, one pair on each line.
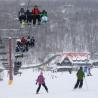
34, 15
82, 72
79, 84
23, 43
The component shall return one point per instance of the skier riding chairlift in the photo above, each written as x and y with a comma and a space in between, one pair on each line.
30, 41
36, 15
22, 15
23, 41
44, 17
29, 16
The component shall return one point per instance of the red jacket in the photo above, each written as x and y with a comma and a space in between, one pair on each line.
40, 79
36, 11
23, 40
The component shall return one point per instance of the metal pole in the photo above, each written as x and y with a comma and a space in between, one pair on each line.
10, 62
28, 4
86, 83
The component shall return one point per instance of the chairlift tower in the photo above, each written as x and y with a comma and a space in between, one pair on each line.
10, 61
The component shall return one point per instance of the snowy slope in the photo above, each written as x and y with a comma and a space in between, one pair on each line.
60, 85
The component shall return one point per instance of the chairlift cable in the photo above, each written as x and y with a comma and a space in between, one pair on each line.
28, 3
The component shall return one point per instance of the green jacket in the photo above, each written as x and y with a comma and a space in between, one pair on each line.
80, 74
43, 14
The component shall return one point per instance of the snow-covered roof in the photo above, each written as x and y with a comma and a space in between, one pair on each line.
77, 55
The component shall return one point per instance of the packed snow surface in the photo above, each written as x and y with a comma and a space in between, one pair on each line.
60, 85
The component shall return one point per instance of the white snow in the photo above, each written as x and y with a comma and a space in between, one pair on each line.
22, 4
60, 85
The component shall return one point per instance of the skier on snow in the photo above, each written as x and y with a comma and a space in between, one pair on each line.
80, 74
89, 71
41, 81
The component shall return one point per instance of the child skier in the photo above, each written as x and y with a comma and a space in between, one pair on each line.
44, 17
80, 74
41, 81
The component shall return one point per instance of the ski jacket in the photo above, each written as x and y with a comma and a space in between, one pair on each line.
80, 74
40, 79
36, 11
44, 13
28, 13
23, 40
21, 12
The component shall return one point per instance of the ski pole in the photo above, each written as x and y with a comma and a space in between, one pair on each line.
86, 83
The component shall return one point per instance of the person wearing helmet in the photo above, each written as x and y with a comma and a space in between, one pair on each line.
36, 15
